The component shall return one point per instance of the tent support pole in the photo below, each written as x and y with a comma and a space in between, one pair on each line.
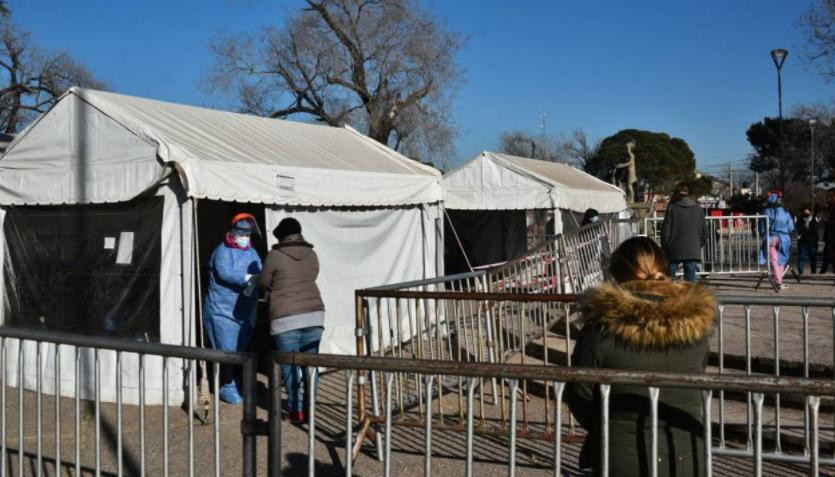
205, 400
458, 240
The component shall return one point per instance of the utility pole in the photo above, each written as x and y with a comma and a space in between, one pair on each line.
812, 123
757, 184
731, 179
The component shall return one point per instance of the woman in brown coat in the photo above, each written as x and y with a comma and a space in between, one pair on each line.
643, 322
297, 313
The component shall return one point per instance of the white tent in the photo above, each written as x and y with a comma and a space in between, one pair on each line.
126, 182
489, 195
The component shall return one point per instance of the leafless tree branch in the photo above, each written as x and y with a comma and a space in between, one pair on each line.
386, 66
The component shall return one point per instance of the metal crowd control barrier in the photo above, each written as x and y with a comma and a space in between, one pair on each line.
133, 446
488, 316
619, 230
433, 418
463, 328
567, 263
797, 326
453, 326
733, 244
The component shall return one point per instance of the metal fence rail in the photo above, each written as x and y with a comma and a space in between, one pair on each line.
453, 326
561, 264
136, 442
733, 244
795, 345
432, 418
489, 327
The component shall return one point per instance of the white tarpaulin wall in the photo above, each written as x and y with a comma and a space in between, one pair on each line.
361, 249
94, 147
176, 318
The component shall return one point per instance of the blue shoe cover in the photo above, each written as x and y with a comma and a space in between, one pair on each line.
229, 393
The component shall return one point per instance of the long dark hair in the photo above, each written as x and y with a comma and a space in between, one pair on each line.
639, 258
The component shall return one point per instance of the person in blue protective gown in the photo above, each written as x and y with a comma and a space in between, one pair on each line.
777, 240
232, 299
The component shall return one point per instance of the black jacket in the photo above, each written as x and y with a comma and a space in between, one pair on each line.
684, 230
659, 326
807, 233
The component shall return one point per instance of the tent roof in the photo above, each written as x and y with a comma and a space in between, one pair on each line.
493, 181
110, 147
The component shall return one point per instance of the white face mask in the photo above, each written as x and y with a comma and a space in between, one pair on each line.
242, 241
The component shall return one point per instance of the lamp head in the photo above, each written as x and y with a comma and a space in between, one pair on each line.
779, 56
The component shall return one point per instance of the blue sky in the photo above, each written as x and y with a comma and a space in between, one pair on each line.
699, 70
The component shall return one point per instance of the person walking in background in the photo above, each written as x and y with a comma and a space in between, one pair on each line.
778, 242
829, 235
643, 322
232, 298
807, 241
297, 313
683, 233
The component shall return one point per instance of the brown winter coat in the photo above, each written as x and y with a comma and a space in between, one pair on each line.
658, 326
290, 272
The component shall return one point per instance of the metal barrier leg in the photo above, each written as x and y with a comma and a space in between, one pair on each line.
248, 385
708, 423
653, 399
387, 456
758, 434
813, 405
514, 388
274, 441
558, 390
311, 385
427, 444
349, 423
605, 390
470, 411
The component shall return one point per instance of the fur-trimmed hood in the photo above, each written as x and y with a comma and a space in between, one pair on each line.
651, 313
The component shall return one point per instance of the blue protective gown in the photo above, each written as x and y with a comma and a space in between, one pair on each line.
228, 314
780, 225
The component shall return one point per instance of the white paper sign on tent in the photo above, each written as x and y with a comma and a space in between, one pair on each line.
124, 256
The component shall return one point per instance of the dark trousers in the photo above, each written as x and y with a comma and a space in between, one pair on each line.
807, 252
690, 267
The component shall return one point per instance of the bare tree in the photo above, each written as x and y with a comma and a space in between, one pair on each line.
818, 23
522, 144
31, 79
576, 148
386, 66
823, 113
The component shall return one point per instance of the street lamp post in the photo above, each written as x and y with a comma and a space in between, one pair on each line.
779, 55
812, 123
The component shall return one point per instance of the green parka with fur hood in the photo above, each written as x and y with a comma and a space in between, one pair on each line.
657, 326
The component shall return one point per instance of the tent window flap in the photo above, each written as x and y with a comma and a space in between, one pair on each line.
88, 269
